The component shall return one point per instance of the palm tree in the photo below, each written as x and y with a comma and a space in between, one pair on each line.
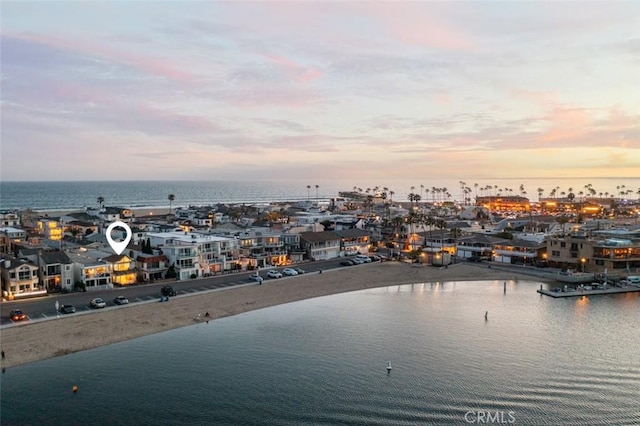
317, 191
308, 189
170, 197
100, 201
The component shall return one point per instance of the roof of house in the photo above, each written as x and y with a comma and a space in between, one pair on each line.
15, 263
319, 237
52, 257
351, 233
522, 243
148, 258
114, 258
480, 239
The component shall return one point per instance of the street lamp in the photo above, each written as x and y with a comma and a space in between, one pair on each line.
583, 260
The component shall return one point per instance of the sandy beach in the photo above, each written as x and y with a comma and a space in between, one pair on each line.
30, 342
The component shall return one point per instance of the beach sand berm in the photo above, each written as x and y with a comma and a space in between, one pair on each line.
30, 342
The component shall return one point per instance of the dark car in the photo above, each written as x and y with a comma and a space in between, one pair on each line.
167, 290
346, 263
17, 315
476, 259
67, 309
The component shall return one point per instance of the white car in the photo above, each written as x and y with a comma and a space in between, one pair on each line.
274, 274
289, 271
98, 303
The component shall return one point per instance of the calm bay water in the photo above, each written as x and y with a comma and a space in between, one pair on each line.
536, 360
76, 195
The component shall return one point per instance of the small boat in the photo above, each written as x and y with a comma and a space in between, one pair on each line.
389, 366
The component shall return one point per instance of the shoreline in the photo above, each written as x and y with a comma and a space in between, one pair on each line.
31, 342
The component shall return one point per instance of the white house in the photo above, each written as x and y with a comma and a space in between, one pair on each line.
194, 254
19, 278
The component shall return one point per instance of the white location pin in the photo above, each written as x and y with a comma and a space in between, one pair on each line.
119, 247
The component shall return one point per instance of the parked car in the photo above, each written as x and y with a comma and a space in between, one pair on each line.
299, 271
289, 271
363, 257
17, 315
356, 261
120, 300
98, 303
346, 263
167, 290
476, 259
274, 274
255, 277
67, 309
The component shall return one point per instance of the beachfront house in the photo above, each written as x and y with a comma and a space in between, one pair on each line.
262, 248
56, 270
19, 278
519, 252
320, 245
614, 251
195, 254
90, 270
477, 246
152, 267
353, 241
123, 269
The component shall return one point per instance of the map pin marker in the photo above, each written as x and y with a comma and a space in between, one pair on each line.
119, 247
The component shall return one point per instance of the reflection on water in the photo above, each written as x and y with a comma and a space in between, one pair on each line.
323, 361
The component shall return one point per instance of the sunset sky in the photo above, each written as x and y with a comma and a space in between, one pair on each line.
283, 90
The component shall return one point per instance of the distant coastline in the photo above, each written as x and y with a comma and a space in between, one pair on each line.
57, 196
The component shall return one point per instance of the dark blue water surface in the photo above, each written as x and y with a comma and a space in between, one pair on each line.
535, 361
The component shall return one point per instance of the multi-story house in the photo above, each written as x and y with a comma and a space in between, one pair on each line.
353, 241
477, 245
320, 245
294, 250
56, 270
123, 269
50, 228
91, 269
11, 238
511, 203
611, 251
152, 267
193, 255
5, 244
522, 252
9, 218
19, 278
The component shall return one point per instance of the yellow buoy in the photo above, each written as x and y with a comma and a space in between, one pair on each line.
74, 389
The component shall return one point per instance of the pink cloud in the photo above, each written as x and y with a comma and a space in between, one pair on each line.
294, 70
565, 124
139, 61
419, 24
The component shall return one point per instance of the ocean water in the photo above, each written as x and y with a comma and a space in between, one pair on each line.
136, 194
534, 361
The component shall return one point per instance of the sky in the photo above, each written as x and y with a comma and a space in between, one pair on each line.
327, 89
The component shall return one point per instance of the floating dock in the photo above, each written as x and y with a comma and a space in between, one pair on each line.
578, 293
